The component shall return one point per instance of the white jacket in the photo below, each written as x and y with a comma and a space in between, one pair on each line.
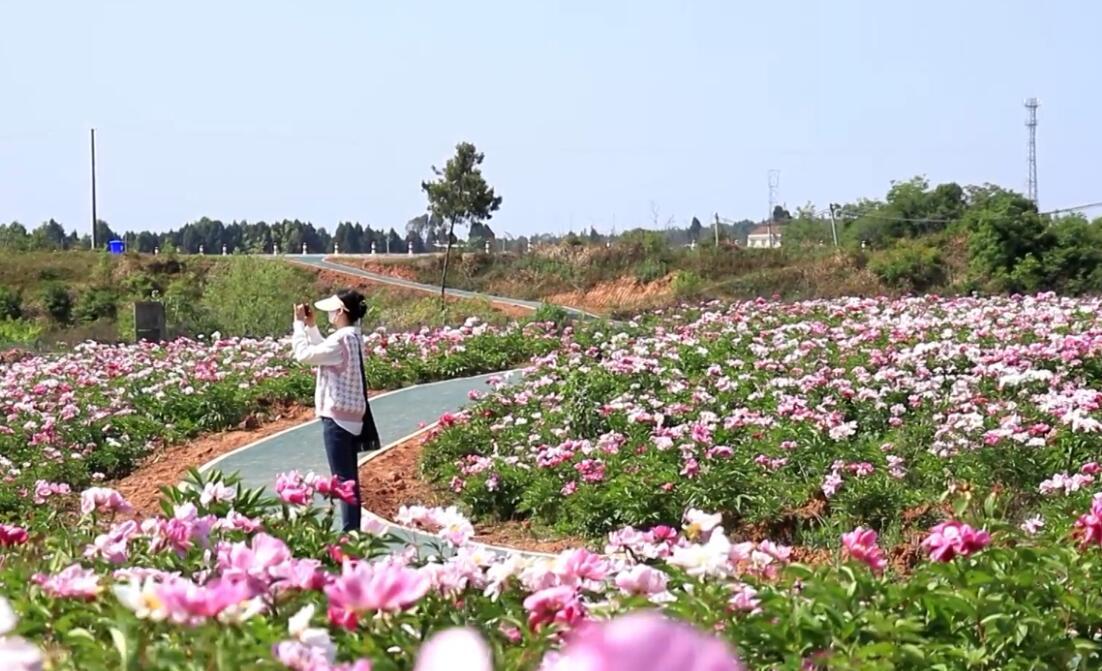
339, 392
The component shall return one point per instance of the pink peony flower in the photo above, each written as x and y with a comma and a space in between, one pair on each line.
11, 535
298, 656
744, 598
114, 545
44, 490
72, 582
644, 642
16, 654
577, 566
860, 544
343, 618
950, 539
1089, 525
216, 492
559, 605
258, 561
333, 487
636, 642
642, 579
455, 648
365, 587
104, 500
189, 603
292, 489
301, 574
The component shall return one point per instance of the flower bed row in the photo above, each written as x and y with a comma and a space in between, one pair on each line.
796, 421
228, 578
89, 415
397, 359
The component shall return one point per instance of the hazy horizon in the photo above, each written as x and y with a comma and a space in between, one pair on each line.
587, 113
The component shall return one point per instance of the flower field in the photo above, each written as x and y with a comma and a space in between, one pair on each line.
229, 578
797, 421
90, 414
858, 484
396, 359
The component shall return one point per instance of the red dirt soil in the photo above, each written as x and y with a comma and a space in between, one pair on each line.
13, 356
168, 465
625, 293
391, 480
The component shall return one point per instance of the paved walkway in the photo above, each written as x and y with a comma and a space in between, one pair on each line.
397, 415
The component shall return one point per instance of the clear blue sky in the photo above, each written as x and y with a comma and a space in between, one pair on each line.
587, 111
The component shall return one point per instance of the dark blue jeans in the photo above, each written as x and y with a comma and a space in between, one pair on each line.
342, 449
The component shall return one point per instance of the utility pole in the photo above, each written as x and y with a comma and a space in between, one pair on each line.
93, 189
834, 207
1031, 105
717, 230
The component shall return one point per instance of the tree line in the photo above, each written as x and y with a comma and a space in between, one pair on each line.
286, 236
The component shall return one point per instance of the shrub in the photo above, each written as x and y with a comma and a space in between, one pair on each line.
551, 313
911, 265
96, 304
650, 270
254, 297
18, 332
687, 284
57, 303
11, 304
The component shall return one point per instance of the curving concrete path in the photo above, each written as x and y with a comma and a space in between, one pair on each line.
399, 415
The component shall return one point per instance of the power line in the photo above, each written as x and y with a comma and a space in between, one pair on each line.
1073, 209
842, 214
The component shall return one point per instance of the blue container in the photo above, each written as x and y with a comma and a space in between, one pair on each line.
116, 246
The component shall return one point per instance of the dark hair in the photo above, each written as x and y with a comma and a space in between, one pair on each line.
354, 303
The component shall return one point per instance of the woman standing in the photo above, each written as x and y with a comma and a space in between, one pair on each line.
340, 394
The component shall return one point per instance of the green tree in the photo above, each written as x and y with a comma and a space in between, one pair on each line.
14, 237
414, 240
460, 195
807, 229
104, 234
1006, 239
394, 242
50, 235
695, 227
1073, 263
252, 297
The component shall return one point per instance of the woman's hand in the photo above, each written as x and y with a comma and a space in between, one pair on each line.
304, 314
